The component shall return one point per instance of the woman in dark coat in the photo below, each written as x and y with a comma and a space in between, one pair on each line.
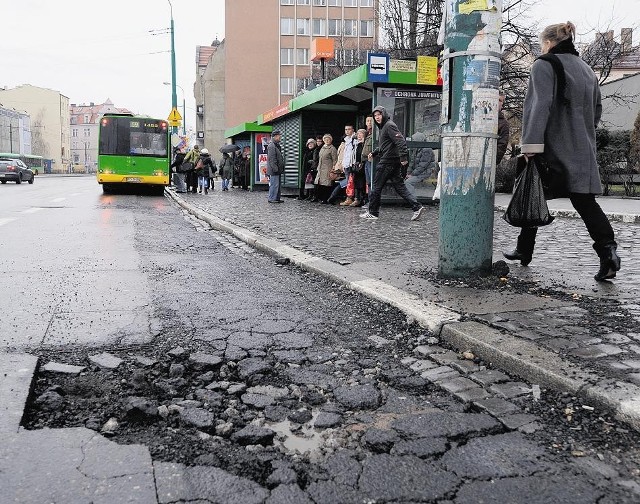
562, 125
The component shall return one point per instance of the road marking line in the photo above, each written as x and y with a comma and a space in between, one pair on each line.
6, 220
58, 200
32, 210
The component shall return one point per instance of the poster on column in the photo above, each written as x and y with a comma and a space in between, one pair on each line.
260, 174
484, 110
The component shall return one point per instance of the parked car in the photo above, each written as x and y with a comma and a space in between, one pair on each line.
14, 170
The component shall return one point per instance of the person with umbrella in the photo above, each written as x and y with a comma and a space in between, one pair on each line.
226, 170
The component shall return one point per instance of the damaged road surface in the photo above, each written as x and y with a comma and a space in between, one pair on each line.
264, 383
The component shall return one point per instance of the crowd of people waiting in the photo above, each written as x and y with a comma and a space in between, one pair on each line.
342, 175
195, 171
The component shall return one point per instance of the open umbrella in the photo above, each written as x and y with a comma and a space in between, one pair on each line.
229, 148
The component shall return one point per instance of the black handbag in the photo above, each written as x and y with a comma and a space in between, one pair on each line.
357, 167
528, 206
185, 167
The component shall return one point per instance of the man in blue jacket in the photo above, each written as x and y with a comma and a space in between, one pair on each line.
392, 154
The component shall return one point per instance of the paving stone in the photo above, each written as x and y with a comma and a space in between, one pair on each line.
634, 348
619, 366
288, 494
631, 363
617, 338
489, 376
496, 406
144, 361
474, 394
561, 344
498, 456
105, 360
358, 396
422, 365
58, 367
446, 358
200, 418
531, 334
516, 421
257, 400
326, 420
439, 373
404, 478
634, 377
465, 366
426, 350
442, 423
508, 326
458, 384
180, 483
510, 390
596, 351
407, 361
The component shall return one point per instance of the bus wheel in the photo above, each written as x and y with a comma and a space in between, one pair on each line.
3, 181
106, 188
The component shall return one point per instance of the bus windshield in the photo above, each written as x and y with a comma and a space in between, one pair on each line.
126, 136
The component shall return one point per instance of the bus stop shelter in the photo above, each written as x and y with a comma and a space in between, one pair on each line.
411, 95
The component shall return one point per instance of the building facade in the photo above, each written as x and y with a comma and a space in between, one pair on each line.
15, 131
50, 124
85, 123
265, 58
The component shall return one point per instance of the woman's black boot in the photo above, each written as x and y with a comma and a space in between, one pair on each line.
609, 264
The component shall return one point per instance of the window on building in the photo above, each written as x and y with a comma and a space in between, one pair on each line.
74, 132
286, 2
286, 86
286, 26
86, 119
320, 3
350, 28
366, 28
335, 3
366, 3
302, 26
76, 158
87, 132
320, 27
350, 3
302, 56
286, 56
335, 27
304, 2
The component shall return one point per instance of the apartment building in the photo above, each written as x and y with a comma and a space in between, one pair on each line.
49, 113
266, 54
85, 122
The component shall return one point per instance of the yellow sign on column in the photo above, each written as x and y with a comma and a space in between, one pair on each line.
174, 115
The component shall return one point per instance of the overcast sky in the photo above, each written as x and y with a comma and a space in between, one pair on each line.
90, 51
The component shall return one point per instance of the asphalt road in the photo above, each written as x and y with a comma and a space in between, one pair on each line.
135, 275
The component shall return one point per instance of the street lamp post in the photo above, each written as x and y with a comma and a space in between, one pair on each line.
174, 97
184, 109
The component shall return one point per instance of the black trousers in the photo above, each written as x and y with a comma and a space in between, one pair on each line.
594, 218
391, 173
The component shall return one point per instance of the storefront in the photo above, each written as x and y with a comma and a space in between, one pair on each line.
407, 89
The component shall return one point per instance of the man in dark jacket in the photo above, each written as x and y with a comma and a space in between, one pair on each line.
275, 166
178, 177
392, 154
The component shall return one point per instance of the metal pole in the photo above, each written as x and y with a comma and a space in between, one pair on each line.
184, 116
174, 96
471, 79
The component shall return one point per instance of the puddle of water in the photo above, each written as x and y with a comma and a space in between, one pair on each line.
304, 441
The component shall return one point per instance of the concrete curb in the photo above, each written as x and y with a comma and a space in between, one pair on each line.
520, 357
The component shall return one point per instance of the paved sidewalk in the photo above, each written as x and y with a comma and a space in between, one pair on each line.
543, 340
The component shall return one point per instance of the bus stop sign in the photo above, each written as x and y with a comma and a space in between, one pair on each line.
378, 67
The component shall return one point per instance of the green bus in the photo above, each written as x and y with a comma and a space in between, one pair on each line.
31, 160
133, 150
